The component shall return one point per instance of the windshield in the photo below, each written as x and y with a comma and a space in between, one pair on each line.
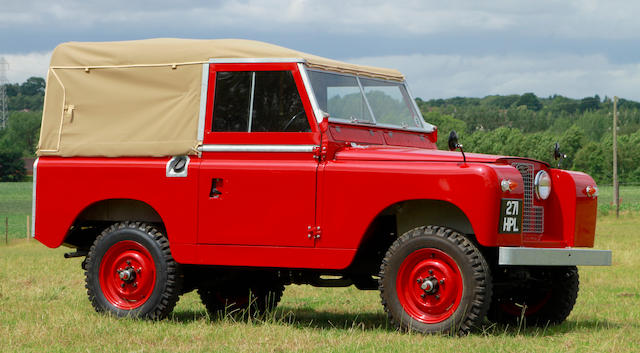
364, 100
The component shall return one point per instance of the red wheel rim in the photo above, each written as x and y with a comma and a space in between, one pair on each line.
127, 275
444, 292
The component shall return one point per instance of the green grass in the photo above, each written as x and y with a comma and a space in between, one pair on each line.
629, 199
43, 307
15, 206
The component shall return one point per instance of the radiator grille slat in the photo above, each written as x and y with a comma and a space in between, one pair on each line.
533, 217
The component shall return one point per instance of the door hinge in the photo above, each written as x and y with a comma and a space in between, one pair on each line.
314, 232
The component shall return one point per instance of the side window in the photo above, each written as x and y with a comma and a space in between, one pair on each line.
263, 101
232, 100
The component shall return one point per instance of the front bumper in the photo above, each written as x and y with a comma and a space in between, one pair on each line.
522, 256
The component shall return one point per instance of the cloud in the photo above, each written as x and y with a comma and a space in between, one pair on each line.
548, 18
23, 66
446, 48
444, 76
577, 76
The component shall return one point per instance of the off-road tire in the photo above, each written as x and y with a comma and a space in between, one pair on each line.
146, 251
450, 256
236, 299
537, 304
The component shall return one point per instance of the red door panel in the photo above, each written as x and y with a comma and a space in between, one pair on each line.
259, 199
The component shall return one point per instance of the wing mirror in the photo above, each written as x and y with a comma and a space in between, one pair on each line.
557, 155
454, 145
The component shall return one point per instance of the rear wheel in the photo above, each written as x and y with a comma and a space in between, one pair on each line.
433, 279
130, 272
238, 299
537, 295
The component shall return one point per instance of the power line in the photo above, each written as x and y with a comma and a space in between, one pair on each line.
4, 67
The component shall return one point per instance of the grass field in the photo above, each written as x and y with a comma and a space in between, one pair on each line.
629, 199
43, 307
15, 206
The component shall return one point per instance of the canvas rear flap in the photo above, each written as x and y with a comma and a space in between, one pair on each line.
128, 111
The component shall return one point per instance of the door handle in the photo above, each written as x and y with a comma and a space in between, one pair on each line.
215, 192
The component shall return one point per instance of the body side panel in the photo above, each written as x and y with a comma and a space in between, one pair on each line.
67, 186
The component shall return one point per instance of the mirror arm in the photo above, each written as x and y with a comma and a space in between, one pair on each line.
464, 158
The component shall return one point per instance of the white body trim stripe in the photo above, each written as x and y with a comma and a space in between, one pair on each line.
310, 93
553, 257
33, 200
425, 125
203, 101
257, 148
255, 60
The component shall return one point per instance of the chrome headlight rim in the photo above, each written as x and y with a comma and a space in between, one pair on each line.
542, 185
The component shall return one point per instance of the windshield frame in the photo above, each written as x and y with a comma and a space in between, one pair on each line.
320, 114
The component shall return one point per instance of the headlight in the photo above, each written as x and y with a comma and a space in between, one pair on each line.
542, 185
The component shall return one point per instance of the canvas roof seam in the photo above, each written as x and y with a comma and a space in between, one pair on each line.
76, 67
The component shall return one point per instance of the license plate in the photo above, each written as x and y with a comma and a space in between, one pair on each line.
510, 216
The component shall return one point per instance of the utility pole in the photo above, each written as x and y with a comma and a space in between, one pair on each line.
4, 66
616, 194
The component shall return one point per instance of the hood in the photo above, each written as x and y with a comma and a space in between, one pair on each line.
412, 154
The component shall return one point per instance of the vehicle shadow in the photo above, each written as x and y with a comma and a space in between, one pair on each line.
296, 317
305, 318
567, 327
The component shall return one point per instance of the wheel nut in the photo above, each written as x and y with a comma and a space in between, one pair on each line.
135, 284
419, 280
122, 285
422, 295
128, 262
442, 281
430, 272
437, 296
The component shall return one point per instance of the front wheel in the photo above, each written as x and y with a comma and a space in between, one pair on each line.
130, 272
433, 279
537, 295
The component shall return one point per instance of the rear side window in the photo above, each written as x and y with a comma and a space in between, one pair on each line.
262, 101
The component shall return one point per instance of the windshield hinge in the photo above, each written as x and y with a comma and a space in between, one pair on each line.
320, 152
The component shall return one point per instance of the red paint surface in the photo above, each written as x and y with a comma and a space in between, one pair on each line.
268, 201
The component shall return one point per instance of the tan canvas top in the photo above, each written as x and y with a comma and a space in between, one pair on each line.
175, 51
143, 98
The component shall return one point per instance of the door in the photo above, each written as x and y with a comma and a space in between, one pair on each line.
257, 182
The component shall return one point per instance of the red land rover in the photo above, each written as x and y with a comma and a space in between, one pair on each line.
235, 167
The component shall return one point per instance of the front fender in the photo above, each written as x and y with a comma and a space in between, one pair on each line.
355, 192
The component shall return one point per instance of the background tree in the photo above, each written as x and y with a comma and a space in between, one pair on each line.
11, 165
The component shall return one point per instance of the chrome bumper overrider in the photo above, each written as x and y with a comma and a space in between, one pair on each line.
553, 257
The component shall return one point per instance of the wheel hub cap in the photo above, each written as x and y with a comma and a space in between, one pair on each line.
429, 285
127, 275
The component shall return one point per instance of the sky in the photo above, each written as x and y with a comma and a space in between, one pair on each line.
444, 48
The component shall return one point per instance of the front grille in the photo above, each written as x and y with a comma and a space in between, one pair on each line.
533, 217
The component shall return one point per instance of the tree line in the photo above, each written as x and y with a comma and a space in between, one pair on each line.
20, 136
528, 126
516, 125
